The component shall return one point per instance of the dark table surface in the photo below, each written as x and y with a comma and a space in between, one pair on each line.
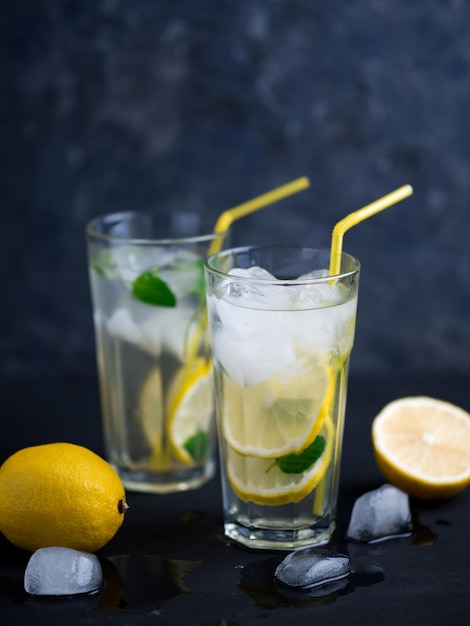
170, 564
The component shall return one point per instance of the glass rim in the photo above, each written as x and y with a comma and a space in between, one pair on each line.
95, 234
280, 281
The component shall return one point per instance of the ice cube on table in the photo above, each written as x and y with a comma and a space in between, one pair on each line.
56, 571
311, 567
383, 513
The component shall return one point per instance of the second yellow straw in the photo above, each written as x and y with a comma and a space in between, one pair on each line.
226, 218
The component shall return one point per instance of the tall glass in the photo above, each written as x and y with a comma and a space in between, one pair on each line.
156, 381
281, 332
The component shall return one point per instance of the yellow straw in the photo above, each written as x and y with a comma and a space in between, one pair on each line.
358, 216
230, 215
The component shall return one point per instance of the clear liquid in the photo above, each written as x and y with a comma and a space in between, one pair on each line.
143, 355
265, 506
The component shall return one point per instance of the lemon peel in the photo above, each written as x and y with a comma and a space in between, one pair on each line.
60, 494
190, 407
151, 417
261, 481
281, 415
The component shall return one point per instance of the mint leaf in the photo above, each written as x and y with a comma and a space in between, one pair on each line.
298, 463
153, 290
196, 445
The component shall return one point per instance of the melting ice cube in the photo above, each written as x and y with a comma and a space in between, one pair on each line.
264, 291
253, 340
122, 325
263, 322
250, 345
145, 335
167, 330
56, 571
132, 260
321, 273
252, 272
311, 567
380, 514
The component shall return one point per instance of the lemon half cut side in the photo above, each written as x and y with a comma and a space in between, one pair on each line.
422, 445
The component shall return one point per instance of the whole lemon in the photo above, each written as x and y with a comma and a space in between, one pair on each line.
60, 494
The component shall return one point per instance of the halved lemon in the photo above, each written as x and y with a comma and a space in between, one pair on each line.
422, 446
190, 407
280, 415
262, 481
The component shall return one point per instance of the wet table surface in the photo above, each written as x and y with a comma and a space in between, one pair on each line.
170, 564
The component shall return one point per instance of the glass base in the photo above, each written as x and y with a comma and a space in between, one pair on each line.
171, 482
275, 539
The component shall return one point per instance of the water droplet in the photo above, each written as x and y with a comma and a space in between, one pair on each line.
143, 582
422, 535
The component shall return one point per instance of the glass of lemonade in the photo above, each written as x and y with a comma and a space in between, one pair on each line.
281, 332
155, 373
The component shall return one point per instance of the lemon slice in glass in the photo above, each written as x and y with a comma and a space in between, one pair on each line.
151, 416
263, 481
280, 415
190, 407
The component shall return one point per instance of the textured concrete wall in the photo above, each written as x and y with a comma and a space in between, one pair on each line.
112, 104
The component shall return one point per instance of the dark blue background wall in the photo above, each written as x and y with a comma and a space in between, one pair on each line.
108, 104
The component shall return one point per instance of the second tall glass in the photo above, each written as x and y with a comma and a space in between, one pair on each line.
155, 373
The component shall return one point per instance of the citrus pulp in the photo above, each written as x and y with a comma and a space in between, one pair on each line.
422, 446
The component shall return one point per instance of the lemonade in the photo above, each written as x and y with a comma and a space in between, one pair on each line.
156, 380
281, 341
